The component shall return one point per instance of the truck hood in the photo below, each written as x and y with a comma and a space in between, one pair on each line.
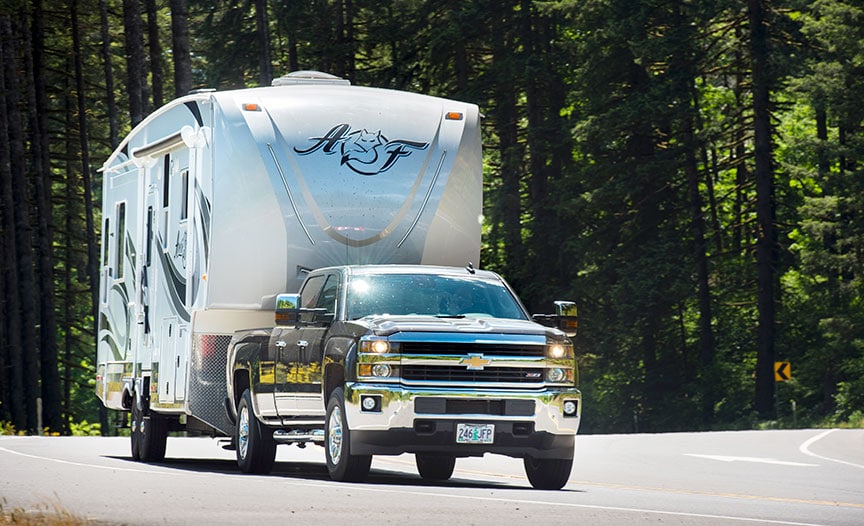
389, 325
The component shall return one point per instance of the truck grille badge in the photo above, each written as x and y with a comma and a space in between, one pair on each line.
475, 362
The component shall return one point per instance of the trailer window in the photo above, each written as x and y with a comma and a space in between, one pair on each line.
106, 243
184, 205
166, 180
121, 239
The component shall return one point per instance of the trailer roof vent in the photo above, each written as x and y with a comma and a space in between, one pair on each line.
309, 77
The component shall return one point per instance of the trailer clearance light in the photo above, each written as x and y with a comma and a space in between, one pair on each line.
251, 106
453, 116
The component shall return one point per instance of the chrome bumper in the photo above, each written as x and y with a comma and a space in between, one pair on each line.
405, 419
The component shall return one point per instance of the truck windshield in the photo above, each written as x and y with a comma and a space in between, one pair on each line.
430, 295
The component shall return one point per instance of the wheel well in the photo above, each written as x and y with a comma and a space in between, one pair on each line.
241, 383
334, 376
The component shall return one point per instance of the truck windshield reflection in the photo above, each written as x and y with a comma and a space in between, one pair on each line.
430, 295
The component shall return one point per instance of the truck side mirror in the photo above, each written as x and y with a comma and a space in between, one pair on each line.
287, 309
567, 317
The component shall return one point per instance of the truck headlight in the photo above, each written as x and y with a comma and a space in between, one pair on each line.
559, 351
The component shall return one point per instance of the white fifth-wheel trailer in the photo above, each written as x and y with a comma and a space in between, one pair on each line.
219, 201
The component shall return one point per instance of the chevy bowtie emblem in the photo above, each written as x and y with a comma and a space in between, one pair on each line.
475, 362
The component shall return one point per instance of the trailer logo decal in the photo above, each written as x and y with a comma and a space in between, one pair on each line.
364, 152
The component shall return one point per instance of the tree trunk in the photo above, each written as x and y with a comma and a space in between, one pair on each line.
39, 146
135, 61
22, 230
262, 26
180, 47
109, 75
766, 242
157, 76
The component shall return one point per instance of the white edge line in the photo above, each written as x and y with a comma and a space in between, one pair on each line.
805, 448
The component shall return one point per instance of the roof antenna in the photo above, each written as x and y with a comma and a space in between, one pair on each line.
470, 268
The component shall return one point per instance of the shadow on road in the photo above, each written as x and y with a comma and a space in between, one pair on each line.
318, 472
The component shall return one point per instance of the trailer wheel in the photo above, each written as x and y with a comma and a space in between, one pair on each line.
256, 449
342, 465
435, 467
149, 435
135, 425
548, 473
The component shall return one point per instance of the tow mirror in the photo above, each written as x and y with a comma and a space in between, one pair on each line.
564, 318
287, 309
567, 317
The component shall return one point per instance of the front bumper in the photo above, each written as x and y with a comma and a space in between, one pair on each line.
411, 420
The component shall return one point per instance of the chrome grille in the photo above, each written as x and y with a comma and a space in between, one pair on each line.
487, 349
434, 373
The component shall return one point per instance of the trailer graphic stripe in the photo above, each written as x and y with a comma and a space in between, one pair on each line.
288, 190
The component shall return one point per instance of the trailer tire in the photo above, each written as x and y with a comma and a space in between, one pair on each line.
135, 425
548, 473
149, 435
256, 449
435, 467
341, 464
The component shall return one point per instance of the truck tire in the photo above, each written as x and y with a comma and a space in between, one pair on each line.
435, 467
256, 449
548, 473
341, 464
149, 435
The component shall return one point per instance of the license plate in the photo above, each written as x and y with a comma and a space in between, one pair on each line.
475, 433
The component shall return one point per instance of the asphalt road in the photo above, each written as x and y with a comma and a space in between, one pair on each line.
762, 477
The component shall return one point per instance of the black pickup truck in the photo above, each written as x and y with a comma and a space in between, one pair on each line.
382, 360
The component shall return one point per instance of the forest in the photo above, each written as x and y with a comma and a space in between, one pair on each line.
688, 171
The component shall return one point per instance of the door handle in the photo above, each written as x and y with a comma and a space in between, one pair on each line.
280, 344
302, 344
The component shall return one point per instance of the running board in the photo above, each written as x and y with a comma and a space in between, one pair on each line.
298, 435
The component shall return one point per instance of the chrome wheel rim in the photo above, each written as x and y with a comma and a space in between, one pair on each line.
334, 435
243, 433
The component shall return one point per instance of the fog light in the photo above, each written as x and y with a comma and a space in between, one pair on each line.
381, 370
556, 374
570, 408
369, 403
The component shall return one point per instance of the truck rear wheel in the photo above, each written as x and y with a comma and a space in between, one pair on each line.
256, 449
548, 473
435, 467
341, 464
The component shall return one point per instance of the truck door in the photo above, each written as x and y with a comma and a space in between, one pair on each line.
301, 349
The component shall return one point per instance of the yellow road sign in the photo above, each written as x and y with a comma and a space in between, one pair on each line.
782, 371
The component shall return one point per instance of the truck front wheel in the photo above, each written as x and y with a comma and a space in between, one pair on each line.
341, 464
548, 473
256, 449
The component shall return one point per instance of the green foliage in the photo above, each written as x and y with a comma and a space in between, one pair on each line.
601, 118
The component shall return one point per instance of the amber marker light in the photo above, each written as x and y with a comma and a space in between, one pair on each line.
251, 106
453, 116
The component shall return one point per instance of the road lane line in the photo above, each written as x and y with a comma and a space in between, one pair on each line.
805, 448
81, 464
761, 460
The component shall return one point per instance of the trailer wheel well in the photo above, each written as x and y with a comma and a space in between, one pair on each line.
334, 376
